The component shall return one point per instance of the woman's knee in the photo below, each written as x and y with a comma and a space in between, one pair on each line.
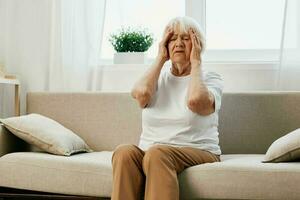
156, 155
125, 153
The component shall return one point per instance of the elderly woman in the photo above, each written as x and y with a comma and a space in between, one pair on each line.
179, 118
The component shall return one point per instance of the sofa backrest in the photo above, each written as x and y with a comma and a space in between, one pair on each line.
248, 122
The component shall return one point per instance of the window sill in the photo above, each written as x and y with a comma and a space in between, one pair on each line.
258, 57
211, 65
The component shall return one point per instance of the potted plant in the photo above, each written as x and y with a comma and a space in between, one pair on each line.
130, 45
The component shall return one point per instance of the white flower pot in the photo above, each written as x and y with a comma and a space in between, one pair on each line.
130, 58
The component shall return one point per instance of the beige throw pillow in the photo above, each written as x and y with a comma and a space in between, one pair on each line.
286, 148
46, 134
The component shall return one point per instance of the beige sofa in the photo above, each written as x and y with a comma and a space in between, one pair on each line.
249, 123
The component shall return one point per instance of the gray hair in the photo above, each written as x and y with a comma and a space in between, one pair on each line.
184, 23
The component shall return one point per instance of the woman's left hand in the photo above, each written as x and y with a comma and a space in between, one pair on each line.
195, 56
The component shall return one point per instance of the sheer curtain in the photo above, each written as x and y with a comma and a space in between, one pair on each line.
77, 27
51, 45
289, 69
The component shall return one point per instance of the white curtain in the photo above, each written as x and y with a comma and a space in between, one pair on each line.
51, 45
289, 69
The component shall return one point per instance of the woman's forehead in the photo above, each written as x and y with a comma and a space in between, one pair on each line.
180, 34
180, 29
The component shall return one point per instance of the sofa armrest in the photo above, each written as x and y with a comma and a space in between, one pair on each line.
10, 143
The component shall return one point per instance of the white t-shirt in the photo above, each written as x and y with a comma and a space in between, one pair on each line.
168, 120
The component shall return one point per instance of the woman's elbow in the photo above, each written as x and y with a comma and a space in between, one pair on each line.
200, 107
193, 105
142, 95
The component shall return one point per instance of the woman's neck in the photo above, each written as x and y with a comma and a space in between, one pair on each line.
179, 69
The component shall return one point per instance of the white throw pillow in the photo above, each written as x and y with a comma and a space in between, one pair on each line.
46, 134
286, 148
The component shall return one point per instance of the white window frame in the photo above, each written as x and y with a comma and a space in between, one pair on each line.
197, 10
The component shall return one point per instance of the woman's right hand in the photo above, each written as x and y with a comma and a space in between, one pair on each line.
163, 54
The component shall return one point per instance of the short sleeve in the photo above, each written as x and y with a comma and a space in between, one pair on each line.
214, 84
160, 81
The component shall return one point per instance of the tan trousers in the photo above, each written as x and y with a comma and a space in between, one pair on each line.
153, 174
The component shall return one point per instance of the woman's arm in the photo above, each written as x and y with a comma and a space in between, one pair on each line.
200, 100
145, 87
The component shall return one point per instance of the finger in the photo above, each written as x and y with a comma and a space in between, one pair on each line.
169, 33
196, 39
192, 36
190, 32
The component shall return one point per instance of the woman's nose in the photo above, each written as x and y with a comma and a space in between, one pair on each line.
179, 42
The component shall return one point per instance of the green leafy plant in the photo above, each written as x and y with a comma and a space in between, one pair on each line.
131, 40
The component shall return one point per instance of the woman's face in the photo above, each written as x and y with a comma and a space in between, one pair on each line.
179, 47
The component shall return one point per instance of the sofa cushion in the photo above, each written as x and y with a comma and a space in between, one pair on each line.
236, 177
88, 174
46, 134
241, 176
286, 148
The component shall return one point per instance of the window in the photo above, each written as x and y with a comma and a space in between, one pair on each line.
246, 24
151, 14
236, 31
